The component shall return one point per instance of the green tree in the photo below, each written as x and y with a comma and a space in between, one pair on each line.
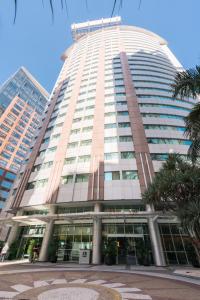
187, 84
176, 190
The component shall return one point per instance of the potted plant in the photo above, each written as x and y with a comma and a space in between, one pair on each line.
143, 253
110, 252
30, 249
52, 251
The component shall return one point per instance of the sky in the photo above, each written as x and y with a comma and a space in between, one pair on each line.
36, 41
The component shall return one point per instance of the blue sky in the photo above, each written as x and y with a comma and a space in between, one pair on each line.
37, 43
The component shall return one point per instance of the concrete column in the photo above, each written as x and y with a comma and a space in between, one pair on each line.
96, 242
43, 256
156, 243
14, 231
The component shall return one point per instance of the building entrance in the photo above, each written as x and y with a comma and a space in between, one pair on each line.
132, 242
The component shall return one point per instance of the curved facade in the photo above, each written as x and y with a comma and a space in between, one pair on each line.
111, 123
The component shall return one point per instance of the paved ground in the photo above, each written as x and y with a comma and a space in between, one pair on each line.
74, 282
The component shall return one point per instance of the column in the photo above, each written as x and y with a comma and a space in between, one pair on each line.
14, 232
47, 236
96, 242
156, 243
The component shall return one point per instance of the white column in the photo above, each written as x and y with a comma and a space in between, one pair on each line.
96, 242
14, 232
43, 256
156, 243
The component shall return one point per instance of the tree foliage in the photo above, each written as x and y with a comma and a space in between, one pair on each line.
187, 84
176, 189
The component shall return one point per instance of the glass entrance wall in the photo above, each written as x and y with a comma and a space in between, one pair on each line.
72, 238
28, 233
177, 246
132, 239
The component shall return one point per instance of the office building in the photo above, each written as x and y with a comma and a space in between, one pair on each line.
111, 123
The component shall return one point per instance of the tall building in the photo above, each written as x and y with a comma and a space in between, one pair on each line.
111, 123
23, 101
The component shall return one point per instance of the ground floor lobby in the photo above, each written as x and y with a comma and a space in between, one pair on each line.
132, 238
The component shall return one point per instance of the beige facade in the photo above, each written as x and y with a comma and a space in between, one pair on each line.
111, 123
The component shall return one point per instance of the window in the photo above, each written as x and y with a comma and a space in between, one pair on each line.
159, 156
124, 124
154, 115
88, 117
110, 114
126, 138
36, 184
164, 106
10, 176
72, 145
5, 154
87, 129
43, 166
129, 175
122, 113
115, 175
86, 143
110, 139
111, 156
165, 127
110, 125
75, 131
84, 158
41, 183
77, 120
127, 155
70, 160
67, 179
82, 177
6, 184
168, 141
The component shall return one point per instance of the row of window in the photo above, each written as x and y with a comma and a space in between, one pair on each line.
164, 98
168, 141
108, 176
164, 106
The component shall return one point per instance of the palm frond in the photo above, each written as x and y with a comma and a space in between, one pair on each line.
187, 83
192, 122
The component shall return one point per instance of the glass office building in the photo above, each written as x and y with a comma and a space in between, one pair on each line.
23, 102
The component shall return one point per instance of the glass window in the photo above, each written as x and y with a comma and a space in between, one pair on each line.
115, 175
168, 141
126, 138
6, 184
110, 125
67, 179
110, 139
84, 158
10, 175
72, 145
122, 113
85, 142
130, 175
127, 155
70, 160
82, 177
124, 124
87, 129
75, 131
111, 155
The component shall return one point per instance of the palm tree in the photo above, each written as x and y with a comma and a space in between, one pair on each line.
176, 190
187, 84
